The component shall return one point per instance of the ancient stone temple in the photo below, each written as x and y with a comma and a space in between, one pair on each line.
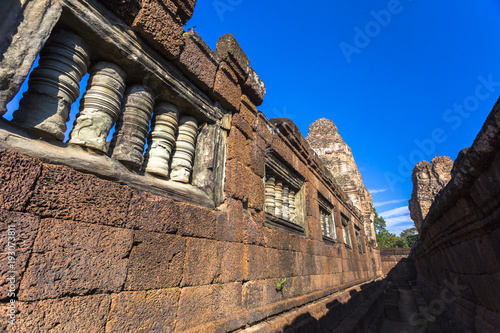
197, 214
428, 179
327, 142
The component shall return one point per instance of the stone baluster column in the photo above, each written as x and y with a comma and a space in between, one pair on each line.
270, 204
323, 224
162, 138
182, 162
132, 126
99, 107
328, 219
291, 205
278, 199
54, 85
285, 196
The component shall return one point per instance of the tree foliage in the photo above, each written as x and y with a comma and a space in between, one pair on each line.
386, 239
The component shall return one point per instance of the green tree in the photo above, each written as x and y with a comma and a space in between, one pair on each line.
410, 235
379, 222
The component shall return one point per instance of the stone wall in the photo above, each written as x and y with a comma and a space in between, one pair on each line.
193, 234
398, 265
428, 179
457, 256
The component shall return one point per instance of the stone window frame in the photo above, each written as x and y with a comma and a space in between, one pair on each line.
288, 177
345, 231
326, 209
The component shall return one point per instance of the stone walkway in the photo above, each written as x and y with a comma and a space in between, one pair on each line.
407, 307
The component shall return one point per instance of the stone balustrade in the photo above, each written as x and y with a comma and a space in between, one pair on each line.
280, 199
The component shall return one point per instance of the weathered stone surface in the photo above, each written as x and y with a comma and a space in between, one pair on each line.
161, 140
185, 9
243, 184
99, 106
127, 10
64, 193
158, 26
72, 258
18, 175
197, 61
156, 261
208, 304
54, 84
428, 179
254, 87
324, 138
195, 221
226, 88
143, 311
202, 262
75, 314
229, 51
152, 212
248, 111
185, 144
132, 127
25, 228
26, 26
237, 147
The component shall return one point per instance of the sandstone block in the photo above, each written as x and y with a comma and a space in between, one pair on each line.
18, 175
228, 226
152, 212
143, 311
228, 50
248, 111
156, 261
127, 10
197, 61
64, 193
195, 221
185, 9
226, 88
159, 27
256, 263
232, 262
72, 258
254, 87
75, 314
237, 147
202, 262
25, 228
206, 304
242, 125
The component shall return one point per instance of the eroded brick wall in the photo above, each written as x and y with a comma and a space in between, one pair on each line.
457, 256
398, 265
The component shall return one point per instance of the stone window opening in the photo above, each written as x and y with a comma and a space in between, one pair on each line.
346, 232
327, 219
358, 240
163, 130
284, 197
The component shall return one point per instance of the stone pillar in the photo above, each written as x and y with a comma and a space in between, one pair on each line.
54, 85
162, 138
182, 162
270, 204
99, 107
291, 205
285, 197
278, 199
132, 126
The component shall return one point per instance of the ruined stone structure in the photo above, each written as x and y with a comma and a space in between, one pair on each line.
457, 255
327, 142
197, 208
428, 179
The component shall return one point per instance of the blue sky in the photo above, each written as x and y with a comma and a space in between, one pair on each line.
404, 81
